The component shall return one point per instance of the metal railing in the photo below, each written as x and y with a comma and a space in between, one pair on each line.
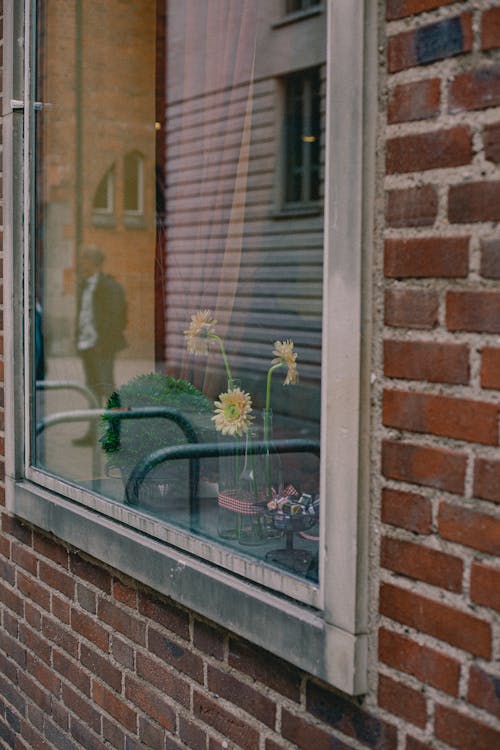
192, 451
115, 416
210, 450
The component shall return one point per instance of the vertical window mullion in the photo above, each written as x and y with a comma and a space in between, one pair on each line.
306, 132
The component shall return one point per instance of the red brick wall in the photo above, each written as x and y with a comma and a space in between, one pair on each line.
440, 574
91, 660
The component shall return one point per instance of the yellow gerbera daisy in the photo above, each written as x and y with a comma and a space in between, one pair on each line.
201, 329
285, 355
233, 412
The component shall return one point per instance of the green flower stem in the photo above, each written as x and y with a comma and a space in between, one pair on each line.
230, 381
266, 425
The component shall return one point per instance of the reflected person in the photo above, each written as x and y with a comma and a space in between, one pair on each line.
101, 318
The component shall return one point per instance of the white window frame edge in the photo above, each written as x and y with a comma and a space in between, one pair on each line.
331, 644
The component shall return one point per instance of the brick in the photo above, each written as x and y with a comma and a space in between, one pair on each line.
464, 732
249, 699
14, 527
271, 744
13, 649
485, 585
156, 674
473, 311
208, 639
72, 672
427, 44
426, 257
411, 308
447, 624
459, 418
151, 703
32, 615
61, 609
419, 152
35, 643
348, 717
229, 724
422, 662
86, 598
113, 734
81, 707
56, 578
412, 207
60, 636
408, 510
91, 573
10, 693
401, 8
490, 258
418, 100
25, 558
123, 652
490, 28
262, 666
484, 690
12, 600
401, 700
166, 614
122, 620
8, 669
42, 674
490, 367
150, 735
172, 653
470, 528
422, 563
306, 735
90, 629
125, 594
433, 467
84, 737
491, 140
100, 666
426, 360
32, 590
470, 202
475, 89
52, 551
114, 706
33, 738
487, 479
191, 734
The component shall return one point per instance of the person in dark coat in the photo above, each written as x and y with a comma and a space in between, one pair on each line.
101, 318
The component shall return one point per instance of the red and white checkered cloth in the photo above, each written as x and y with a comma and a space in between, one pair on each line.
230, 500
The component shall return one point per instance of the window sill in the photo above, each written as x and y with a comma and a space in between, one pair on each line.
103, 220
298, 211
301, 635
134, 221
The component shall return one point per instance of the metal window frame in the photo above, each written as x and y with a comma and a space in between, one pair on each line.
329, 641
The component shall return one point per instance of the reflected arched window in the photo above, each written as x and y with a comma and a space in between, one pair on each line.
133, 188
103, 204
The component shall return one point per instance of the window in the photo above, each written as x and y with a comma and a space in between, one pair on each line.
133, 187
293, 6
230, 508
103, 205
302, 136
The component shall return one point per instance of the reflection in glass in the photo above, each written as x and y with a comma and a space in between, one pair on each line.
192, 138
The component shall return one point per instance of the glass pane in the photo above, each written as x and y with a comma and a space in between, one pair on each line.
195, 332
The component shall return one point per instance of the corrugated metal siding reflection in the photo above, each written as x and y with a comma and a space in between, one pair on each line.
227, 249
